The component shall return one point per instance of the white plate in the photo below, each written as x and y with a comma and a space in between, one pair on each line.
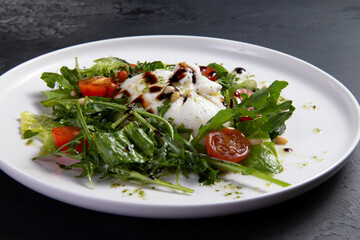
315, 157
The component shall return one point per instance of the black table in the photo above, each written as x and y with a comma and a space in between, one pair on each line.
325, 33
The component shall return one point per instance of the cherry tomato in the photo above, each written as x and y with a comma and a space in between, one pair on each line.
62, 135
227, 144
98, 86
209, 72
122, 75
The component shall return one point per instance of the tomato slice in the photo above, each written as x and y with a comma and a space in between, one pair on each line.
209, 72
227, 144
246, 118
237, 94
122, 75
62, 135
98, 86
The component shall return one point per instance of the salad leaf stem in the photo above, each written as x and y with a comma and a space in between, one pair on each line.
120, 121
110, 104
237, 168
135, 176
82, 121
142, 120
140, 138
137, 114
60, 151
85, 129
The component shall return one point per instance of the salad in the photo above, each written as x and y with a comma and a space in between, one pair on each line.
140, 122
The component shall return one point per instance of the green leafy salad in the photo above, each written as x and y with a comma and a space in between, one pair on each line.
140, 122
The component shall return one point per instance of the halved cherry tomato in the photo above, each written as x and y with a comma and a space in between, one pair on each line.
98, 86
122, 75
227, 144
62, 135
209, 72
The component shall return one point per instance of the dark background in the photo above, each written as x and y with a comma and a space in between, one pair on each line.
325, 33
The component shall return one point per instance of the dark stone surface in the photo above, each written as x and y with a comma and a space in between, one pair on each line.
325, 33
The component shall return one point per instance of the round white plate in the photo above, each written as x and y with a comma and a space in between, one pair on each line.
318, 151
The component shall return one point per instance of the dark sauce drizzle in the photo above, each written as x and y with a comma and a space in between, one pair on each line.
288, 149
126, 93
159, 134
116, 91
180, 73
163, 95
193, 77
240, 70
154, 89
150, 78
140, 99
128, 110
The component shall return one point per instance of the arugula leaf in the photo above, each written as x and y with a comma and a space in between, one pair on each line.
161, 110
277, 131
214, 123
73, 76
68, 103
116, 148
275, 89
220, 70
140, 139
225, 79
276, 121
258, 100
266, 103
101, 105
149, 66
253, 129
138, 112
52, 78
57, 93
263, 157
